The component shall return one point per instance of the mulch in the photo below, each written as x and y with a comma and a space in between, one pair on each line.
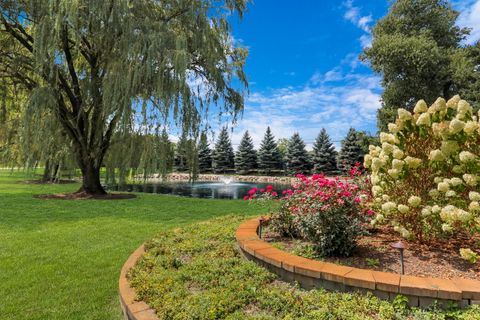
440, 259
85, 196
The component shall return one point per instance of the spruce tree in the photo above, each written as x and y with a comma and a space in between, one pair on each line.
181, 154
297, 158
351, 151
324, 155
204, 155
223, 156
269, 157
246, 157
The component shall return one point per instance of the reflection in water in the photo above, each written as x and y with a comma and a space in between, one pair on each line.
199, 189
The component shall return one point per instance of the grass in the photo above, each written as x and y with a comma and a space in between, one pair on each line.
61, 259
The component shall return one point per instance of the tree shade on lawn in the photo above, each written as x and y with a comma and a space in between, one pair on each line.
60, 259
101, 67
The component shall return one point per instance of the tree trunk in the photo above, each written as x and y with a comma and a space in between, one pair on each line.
91, 178
46, 171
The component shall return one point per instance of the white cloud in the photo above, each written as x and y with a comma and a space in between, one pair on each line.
314, 106
470, 17
363, 22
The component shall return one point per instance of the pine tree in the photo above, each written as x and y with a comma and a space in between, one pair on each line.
223, 156
246, 157
204, 154
269, 157
181, 154
324, 155
165, 154
351, 151
297, 158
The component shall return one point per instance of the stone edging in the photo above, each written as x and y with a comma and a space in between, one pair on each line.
421, 292
133, 310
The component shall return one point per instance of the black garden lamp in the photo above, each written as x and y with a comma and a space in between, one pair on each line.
261, 220
400, 246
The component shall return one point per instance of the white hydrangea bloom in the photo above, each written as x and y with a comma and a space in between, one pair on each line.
452, 102
397, 164
404, 115
393, 128
403, 208
389, 206
387, 148
470, 127
394, 173
450, 194
470, 179
423, 120
412, 162
414, 201
443, 187
474, 196
456, 126
420, 107
377, 190
397, 153
426, 211
455, 182
466, 156
387, 137
436, 155
474, 206
385, 197
436, 209
446, 227
463, 107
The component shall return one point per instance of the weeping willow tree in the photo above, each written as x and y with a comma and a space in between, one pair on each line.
106, 67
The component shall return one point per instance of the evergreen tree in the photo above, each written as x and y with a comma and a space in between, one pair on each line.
181, 154
324, 155
246, 157
269, 157
223, 156
351, 151
165, 154
204, 154
297, 158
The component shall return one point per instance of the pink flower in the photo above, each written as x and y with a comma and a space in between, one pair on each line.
262, 190
274, 194
357, 200
370, 212
246, 197
252, 191
284, 192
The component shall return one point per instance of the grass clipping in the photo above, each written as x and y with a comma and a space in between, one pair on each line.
197, 272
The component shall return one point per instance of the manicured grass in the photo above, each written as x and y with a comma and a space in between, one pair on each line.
61, 259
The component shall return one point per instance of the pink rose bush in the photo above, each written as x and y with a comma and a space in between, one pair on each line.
326, 212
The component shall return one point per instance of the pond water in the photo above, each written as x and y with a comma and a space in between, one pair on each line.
199, 189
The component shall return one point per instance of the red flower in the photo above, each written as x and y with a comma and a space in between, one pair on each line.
246, 197
252, 191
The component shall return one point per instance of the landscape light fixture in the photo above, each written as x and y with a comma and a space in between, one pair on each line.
400, 246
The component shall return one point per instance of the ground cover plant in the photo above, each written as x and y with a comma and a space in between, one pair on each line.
60, 259
197, 272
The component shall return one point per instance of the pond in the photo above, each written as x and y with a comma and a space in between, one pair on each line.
200, 189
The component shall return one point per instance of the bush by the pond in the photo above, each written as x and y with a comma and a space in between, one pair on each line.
197, 272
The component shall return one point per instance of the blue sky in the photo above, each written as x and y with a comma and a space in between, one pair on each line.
303, 65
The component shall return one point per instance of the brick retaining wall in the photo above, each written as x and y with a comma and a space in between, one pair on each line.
421, 292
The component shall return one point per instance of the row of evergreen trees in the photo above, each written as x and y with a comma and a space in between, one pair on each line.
270, 158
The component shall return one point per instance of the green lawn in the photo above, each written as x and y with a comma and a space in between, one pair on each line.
61, 259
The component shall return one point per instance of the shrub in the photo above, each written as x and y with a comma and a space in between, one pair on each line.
326, 212
424, 175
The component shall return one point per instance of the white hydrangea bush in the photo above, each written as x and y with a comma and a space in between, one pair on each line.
425, 176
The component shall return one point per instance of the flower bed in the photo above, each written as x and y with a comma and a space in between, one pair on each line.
198, 272
420, 291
